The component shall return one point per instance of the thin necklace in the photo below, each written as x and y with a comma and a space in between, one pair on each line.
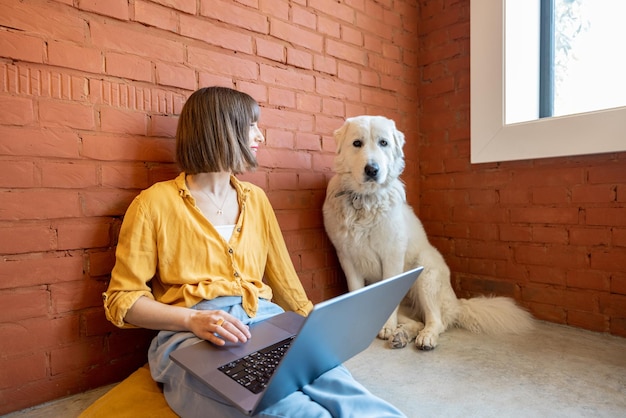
219, 208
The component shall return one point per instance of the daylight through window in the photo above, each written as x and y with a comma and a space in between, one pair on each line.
564, 57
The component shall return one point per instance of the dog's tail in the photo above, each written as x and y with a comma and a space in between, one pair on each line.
493, 315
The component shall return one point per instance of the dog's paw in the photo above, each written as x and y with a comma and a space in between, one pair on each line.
426, 341
385, 333
400, 338
474, 327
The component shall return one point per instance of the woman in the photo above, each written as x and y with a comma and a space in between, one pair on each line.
202, 256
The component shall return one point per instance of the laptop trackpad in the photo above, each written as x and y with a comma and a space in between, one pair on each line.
268, 332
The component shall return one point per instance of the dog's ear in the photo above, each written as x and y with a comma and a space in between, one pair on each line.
398, 152
399, 138
340, 135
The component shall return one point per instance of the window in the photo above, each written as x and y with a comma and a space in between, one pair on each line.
554, 66
585, 65
502, 68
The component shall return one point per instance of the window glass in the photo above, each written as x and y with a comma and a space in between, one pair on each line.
586, 63
589, 61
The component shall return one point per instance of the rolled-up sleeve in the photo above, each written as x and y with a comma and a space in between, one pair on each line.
135, 265
280, 272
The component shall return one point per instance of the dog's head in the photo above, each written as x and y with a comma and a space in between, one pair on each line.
369, 149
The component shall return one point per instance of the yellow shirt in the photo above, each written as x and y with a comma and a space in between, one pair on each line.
168, 251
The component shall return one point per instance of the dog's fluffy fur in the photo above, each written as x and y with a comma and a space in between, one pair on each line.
377, 235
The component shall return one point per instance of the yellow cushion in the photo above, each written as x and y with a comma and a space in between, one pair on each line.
137, 395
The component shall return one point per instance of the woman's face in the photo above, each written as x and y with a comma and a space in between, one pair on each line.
255, 137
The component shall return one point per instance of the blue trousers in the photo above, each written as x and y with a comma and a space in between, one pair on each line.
333, 394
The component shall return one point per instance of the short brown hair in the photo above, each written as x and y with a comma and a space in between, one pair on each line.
213, 131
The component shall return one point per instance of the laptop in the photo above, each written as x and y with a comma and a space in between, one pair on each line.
334, 331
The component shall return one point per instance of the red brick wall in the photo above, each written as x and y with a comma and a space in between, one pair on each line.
88, 101
89, 96
549, 232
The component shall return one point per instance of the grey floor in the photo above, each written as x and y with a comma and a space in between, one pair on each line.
555, 371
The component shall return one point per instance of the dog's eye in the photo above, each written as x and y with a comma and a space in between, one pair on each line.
357, 143
383, 142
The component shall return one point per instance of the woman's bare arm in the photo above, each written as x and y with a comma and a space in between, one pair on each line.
148, 313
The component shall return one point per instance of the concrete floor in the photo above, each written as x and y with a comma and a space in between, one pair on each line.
555, 371
69, 407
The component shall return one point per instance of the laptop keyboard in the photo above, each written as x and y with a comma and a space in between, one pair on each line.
254, 370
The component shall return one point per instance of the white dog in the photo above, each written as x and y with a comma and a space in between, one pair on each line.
377, 235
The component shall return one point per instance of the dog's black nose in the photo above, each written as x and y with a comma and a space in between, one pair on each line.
371, 170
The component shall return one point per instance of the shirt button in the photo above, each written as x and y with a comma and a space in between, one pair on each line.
236, 274
230, 250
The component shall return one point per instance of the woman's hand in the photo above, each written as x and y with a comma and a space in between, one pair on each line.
217, 327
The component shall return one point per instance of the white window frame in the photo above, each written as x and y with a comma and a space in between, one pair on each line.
492, 139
